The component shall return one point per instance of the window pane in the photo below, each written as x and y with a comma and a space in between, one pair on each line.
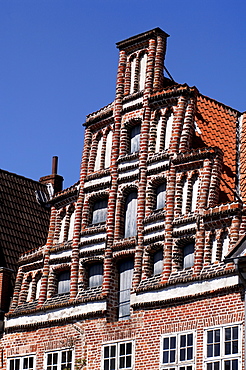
95, 275
64, 282
235, 332
125, 283
25, 363
188, 252
49, 359
122, 349
122, 362
112, 351
161, 196
131, 215
173, 342
128, 348
158, 262
106, 352
106, 365
112, 364
135, 139
128, 361
100, 211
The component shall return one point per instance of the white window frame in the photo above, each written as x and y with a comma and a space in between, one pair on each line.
222, 357
59, 358
186, 364
118, 356
21, 362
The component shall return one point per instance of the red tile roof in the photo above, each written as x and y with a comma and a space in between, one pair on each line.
24, 222
218, 126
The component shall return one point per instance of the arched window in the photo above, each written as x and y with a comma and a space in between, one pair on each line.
225, 241
135, 139
38, 286
95, 275
63, 222
133, 72
184, 195
188, 255
125, 284
29, 292
158, 133
108, 149
71, 226
161, 196
214, 248
131, 215
142, 71
63, 285
99, 213
194, 195
98, 155
158, 262
168, 130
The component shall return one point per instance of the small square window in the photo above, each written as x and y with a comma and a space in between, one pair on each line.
99, 213
63, 282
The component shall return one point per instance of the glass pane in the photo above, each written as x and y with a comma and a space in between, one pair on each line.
189, 353
182, 354
209, 367
112, 351
166, 343
235, 347
234, 364
182, 340
63, 356
122, 362
11, 365
216, 366
69, 356
122, 349
106, 352
165, 357
210, 350
189, 339
217, 335
172, 356
112, 364
173, 342
128, 361
227, 348
31, 363
25, 363
227, 365
95, 275
128, 348
210, 336
106, 365
55, 358
228, 334
235, 332
217, 349
49, 359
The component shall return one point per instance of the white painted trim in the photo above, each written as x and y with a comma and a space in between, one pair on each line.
55, 314
132, 102
184, 290
158, 164
101, 180
91, 237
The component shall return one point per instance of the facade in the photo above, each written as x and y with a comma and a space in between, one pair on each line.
143, 267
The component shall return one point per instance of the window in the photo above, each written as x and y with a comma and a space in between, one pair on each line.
125, 284
161, 196
184, 195
178, 351
108, 149
194, 195
131, 215
188, 255
135, 139
214, 248
98, 155
22, 363
158, 262
142, 71
222, 349
63, 282
133, 71
99, 214
225, 244
118, 356
168, 130
59, 360
38, 286
95, 275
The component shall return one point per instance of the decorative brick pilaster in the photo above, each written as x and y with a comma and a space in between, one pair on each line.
178, 122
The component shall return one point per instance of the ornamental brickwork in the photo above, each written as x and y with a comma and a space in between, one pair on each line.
144, 264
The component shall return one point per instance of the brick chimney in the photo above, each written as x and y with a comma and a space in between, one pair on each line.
54, 179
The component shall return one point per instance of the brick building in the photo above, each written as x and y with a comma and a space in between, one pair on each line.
24, 223
144, 263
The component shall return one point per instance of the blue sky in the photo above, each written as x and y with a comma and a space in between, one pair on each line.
58, 63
